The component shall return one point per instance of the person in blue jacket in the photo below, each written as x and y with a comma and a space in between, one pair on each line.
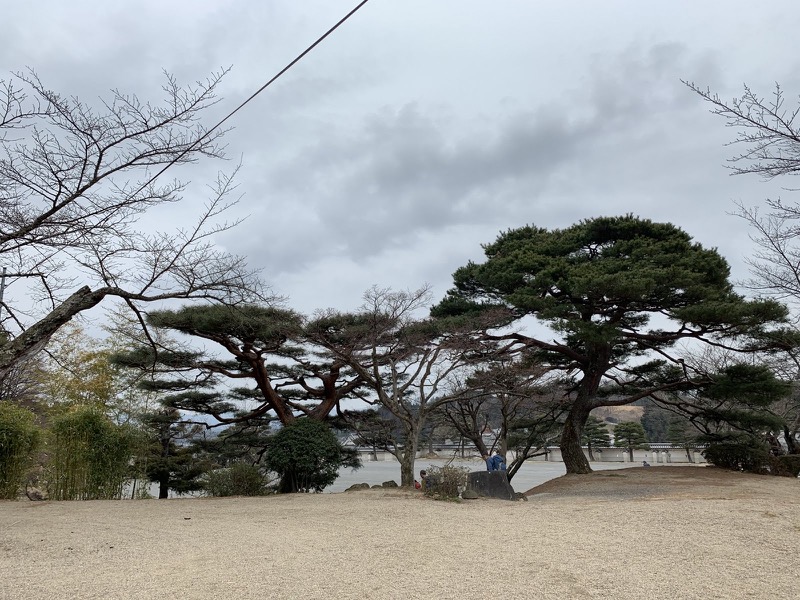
494, 463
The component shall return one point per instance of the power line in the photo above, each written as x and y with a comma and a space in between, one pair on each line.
253, 95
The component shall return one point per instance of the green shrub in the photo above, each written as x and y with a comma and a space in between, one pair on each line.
744, 454
89, 456
19, 438
787, 465
307, 456
446, 482
240, 479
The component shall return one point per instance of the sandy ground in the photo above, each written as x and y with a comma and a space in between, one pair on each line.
659, 533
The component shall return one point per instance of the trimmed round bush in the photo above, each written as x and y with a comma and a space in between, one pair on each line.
739, 455
240, 479
307, 456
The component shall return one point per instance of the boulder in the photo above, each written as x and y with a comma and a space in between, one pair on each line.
469, 494
490, 484
390, 484
357, 486
35, 494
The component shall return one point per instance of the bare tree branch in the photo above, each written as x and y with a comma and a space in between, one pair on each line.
75, 181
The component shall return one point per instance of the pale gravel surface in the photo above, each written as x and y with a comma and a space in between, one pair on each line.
672, 533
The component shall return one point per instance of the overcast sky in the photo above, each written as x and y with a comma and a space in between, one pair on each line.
423, 128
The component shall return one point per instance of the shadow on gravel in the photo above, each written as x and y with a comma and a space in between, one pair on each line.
665, 482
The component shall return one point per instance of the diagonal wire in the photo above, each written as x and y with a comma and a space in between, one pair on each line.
252, 96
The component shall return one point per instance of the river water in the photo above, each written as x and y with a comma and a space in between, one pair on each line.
376, 472
530, 475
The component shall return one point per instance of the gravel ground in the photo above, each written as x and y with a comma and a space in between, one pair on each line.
672, 532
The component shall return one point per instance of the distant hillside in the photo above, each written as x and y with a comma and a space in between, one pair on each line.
619, 414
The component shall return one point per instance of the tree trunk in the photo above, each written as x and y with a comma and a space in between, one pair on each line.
407, 458
33, 339
630, 453
571, 451
591, 455
407, 467
791, 442
163, 487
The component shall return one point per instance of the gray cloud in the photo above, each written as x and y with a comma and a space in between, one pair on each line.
421, 129
358, 191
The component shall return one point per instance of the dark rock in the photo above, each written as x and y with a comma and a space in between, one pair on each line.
469, 494
490, 484
357, 486
35, 494
390, 484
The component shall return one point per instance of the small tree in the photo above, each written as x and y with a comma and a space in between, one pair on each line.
170, 460
595, 435
307, 456
19, 437
408, 364
630, 435
681, 433
655, 420
510, 405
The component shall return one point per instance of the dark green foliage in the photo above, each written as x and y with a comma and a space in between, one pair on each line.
787, 465
252, 324
631, 436
19, 438
307, 456
736, 399
595, 435
170, 459
89, 456
597, 285
239, 479
742, 453
375, 428
619, 269
656, 421
681, 432
263, 345
753, 385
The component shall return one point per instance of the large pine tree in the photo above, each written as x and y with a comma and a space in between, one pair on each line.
618, 294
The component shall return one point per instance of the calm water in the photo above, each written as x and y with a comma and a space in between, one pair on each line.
376, 472
530, 475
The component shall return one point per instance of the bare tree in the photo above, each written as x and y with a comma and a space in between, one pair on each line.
766, 128
770, 135
406, 362
511, 405
75, 184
